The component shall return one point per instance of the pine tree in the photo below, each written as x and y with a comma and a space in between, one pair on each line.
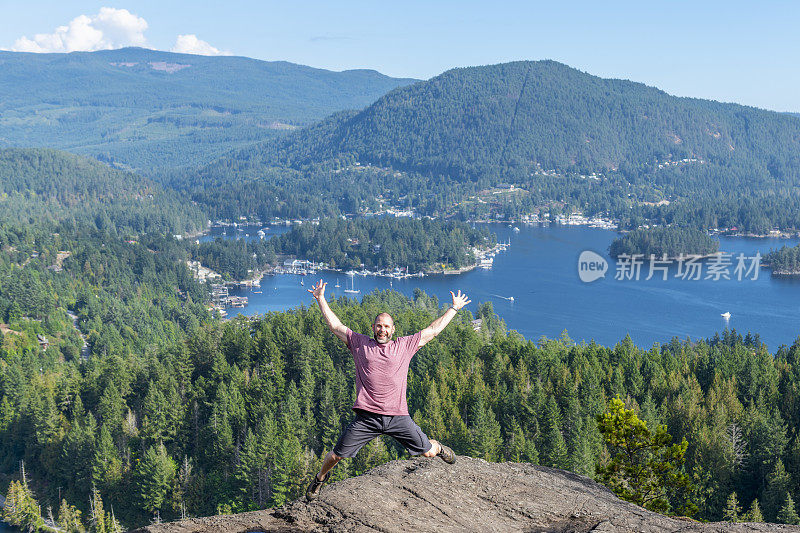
645, 468
106, 464
787, 513
69, 518
432, 418
553, 447
154, 475
485, 437
6, 413
778, 483
732, 509
515, 443
252, 459
373, 454
154, 415
754, 514
99, 520
286, 465
21, 507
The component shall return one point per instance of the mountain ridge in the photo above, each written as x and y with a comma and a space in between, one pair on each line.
622, 145
114, 104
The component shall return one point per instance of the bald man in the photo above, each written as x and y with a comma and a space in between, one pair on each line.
381, 380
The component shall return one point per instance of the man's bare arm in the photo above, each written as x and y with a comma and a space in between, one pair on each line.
438, 325
335, 325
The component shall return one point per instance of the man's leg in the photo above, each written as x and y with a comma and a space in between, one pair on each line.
359, 432
327, 465
409, 434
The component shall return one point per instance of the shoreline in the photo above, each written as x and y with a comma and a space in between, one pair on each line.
573, 220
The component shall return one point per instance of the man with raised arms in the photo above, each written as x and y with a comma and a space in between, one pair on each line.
381, 380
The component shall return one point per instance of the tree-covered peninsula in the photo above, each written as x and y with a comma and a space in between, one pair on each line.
669, 241
375, 244
784, 261
386, 243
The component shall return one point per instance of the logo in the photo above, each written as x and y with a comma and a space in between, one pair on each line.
591, 266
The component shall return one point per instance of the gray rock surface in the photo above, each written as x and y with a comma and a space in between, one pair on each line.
422, 495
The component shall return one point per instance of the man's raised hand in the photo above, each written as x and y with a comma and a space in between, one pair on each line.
459, 300
318, 290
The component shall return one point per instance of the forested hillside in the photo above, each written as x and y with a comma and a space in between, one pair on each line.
604, 146
155, 110
238, 416
42, 186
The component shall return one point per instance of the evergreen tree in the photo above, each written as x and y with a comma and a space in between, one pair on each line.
645, 468
375, 453
21, 507
154, 474
286, 466
754, 514
553, 447
69, 518
778, 484
99, 520
732, 509
248, 471
787, 513
484, 431
106, 464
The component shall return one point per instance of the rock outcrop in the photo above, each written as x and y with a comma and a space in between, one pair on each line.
421, 495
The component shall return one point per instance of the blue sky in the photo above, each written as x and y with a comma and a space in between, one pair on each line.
733, 51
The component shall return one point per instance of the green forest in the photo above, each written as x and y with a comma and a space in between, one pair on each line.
236, 416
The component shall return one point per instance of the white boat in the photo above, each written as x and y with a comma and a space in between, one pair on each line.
352, 289
726, 315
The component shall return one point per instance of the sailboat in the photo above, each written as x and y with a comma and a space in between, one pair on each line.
726, 315
337, 284
352, 289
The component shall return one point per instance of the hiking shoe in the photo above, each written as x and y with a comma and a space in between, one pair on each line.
312, 492
447, 455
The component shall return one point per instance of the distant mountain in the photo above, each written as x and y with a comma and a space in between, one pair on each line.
475, 121
41, 185
521, 122
151, 110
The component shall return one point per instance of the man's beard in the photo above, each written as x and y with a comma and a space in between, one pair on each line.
382, 340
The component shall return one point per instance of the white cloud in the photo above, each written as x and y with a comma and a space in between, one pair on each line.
110, 28
190, 44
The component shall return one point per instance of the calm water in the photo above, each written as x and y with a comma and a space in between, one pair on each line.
540, 271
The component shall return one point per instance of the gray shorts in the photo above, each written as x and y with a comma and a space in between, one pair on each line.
368, 425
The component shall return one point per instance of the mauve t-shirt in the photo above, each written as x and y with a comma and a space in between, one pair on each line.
382, 372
